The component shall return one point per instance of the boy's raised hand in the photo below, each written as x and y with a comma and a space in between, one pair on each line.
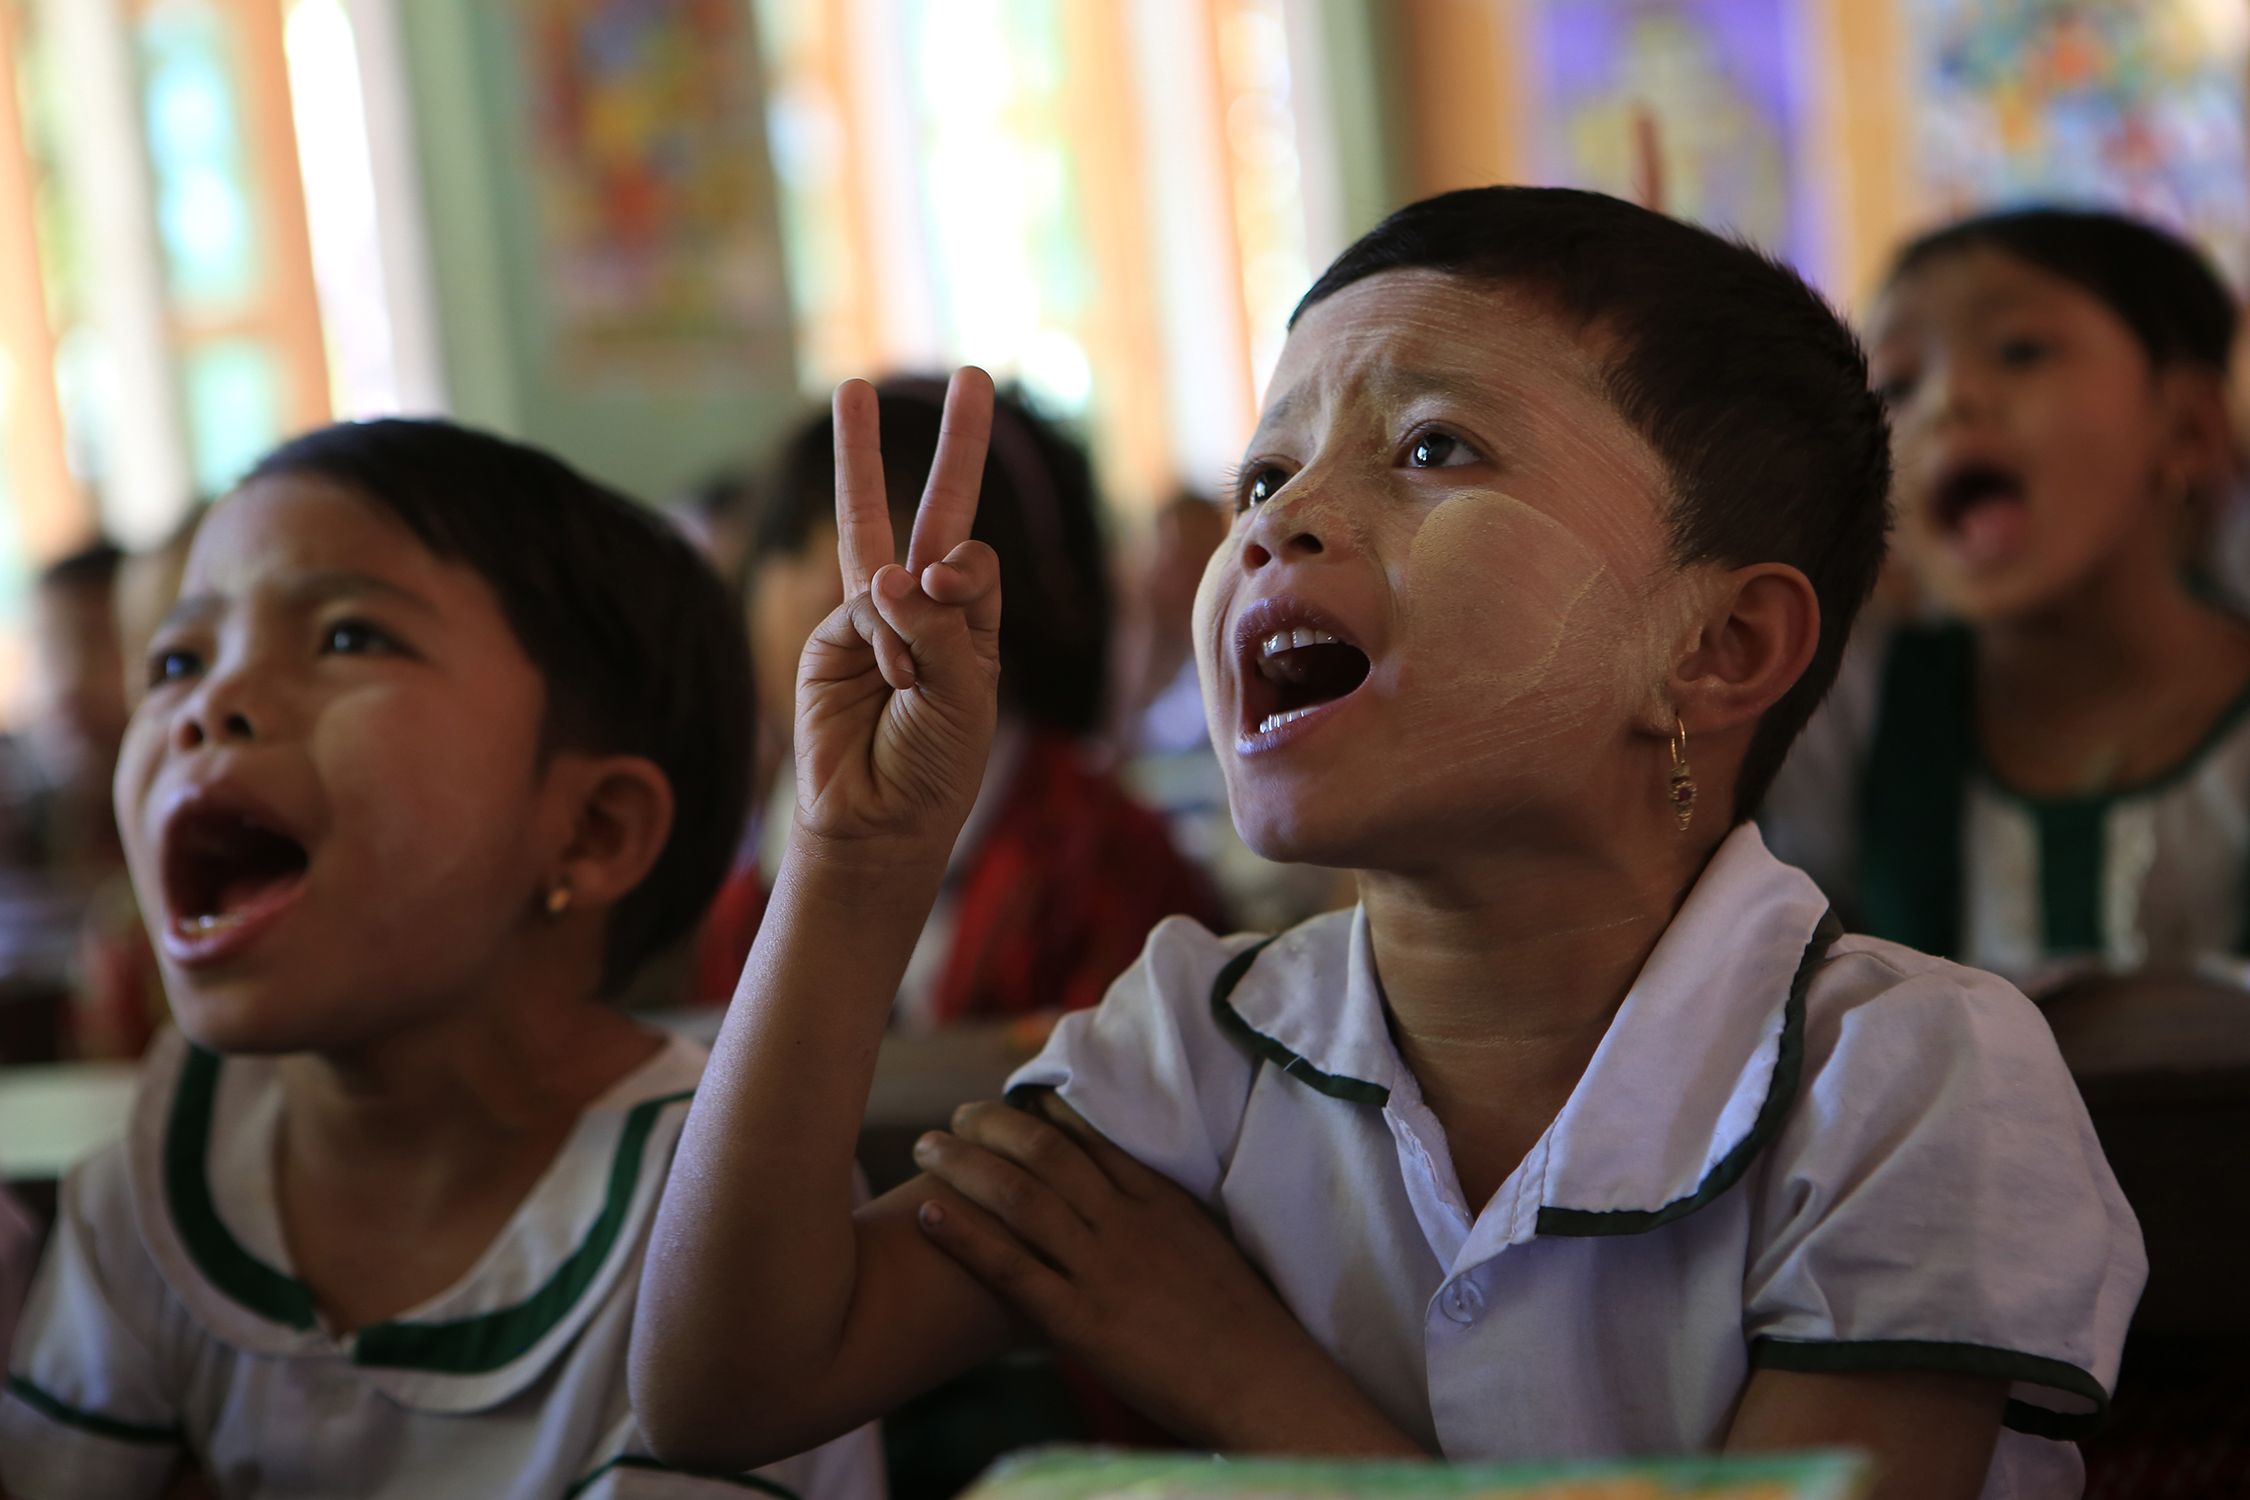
897, 691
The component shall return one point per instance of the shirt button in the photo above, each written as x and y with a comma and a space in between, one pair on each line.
1461, 1300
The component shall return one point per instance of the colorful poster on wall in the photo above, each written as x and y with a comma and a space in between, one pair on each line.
2136, 104
1697, 106
649, 157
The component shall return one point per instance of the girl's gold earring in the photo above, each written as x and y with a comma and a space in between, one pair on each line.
558, 899
1681, 788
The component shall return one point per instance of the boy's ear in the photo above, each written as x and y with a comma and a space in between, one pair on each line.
624, 816
1759, 632
2202, 454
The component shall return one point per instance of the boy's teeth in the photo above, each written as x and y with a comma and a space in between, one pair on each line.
1272, 722
214, 921
1290, 640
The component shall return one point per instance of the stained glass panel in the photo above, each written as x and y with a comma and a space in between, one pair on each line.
2133, 103
1708, 93
203, 212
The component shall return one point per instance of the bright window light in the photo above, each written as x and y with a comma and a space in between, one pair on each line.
332, 153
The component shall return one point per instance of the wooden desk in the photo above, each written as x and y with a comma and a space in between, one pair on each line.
53, 1115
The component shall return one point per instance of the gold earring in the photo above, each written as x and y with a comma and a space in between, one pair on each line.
558, 899
1681, 788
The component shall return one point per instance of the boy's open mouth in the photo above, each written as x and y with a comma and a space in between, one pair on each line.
221, 868
1982, 508
1297, 667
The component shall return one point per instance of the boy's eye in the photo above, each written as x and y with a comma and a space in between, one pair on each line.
353, 638
2022, 354
1438, 450
1261, 483
1895, 391
172, 666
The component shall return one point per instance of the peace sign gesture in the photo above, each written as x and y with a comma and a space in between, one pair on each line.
898, 688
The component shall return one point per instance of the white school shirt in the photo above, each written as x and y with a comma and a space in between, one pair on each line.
165, 1318
2164, 867
1872, 1162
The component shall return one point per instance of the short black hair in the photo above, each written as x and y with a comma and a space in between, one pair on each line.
639, 642
1037, 510
2160, 286
1749, 388
90, 567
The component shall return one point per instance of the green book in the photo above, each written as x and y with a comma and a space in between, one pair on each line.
1108, 1474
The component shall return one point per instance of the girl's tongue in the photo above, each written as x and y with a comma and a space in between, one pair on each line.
1992, 531
1984, 514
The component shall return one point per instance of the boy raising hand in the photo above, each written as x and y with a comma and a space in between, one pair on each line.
1587, 1133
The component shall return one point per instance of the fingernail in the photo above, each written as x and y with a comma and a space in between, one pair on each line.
896, 583
931, 1215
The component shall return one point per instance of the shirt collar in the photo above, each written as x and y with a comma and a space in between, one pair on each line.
1701, 1061
1688, 1083
201, 1156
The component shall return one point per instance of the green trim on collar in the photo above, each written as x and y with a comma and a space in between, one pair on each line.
1350, 1090
271, 1294
2229, 719
2073, 848
1780, 1094
1912, 797
1847, 1357
638, 1461
57, 1410
465, 1346
477, 1345
1912, 790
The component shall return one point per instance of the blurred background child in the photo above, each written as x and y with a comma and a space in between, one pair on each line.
2051, 778
1059, 874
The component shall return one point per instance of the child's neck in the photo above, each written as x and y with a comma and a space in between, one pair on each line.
1502, 977
402, 1157
2110, 685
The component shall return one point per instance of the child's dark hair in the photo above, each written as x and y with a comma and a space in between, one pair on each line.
2158, 285
1748, 387
640, 643
91, 568
1037, 511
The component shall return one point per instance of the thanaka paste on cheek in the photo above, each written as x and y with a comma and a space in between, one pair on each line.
1517, 655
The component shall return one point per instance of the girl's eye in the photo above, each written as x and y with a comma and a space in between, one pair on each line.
172, 666
1438, 450
1896, 391
353, 638
2022, 354
1260, 485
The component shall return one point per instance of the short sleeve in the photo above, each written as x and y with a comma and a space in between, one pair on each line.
85, 1412
1149, 1067
1937, 1199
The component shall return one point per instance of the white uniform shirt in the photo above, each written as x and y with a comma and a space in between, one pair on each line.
1876, 1162
165, 1317
2164, 861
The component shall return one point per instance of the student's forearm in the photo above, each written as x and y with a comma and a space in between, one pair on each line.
753, 1264
1930, 1436
1317, 1411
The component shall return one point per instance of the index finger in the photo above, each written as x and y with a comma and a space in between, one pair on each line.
949, 501
863, 515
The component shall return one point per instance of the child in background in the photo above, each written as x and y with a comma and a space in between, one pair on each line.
440, 743
1058, 874
1586, 1132
1158, 706
2054, 782
120, 1005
